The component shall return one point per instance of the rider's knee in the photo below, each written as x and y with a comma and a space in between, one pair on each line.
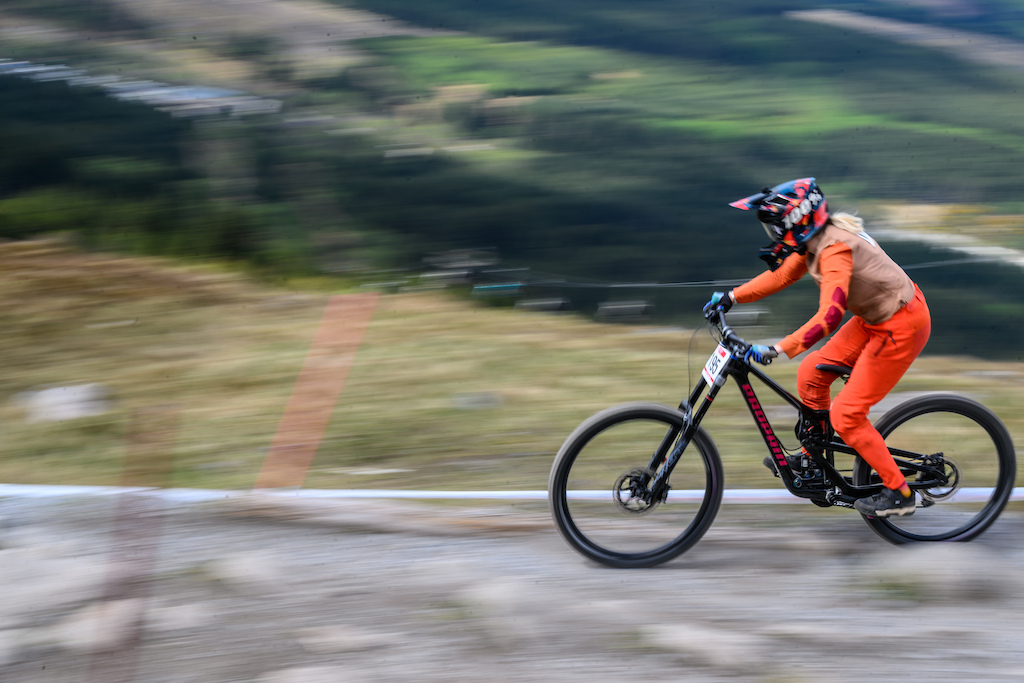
813, 384
847, 417
806, 369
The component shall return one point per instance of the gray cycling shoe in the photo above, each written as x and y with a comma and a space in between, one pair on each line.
887, 503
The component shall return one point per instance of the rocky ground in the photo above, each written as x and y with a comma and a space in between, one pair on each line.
108, 589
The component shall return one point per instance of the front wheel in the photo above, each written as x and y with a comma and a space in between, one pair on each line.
978, 459
606, 462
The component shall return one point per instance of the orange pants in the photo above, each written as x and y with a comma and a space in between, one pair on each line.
879, 355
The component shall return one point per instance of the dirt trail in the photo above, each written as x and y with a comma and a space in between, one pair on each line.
966, 45
299, 22
381, 592
311, 33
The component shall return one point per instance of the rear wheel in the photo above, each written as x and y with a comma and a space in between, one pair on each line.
978, 458
598, 480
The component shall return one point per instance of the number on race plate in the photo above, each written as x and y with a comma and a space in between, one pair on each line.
713, 368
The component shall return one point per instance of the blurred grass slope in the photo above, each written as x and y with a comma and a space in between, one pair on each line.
599, 142
443, 395
223, 352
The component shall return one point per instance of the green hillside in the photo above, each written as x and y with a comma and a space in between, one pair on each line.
590, 143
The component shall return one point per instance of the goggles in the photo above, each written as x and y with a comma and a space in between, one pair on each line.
773, 232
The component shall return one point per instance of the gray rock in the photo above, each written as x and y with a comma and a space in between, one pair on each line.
342, 638
10, 642
940, 571
48, 578
99, 627
708, 646
172, 618
256, 571
55, 404
509, 612
476, 400
309, 674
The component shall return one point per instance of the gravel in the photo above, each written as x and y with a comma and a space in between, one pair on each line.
124, 588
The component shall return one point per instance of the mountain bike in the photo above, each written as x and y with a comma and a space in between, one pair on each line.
638, 484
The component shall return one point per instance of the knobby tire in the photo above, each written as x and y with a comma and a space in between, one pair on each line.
976, 439
616, 441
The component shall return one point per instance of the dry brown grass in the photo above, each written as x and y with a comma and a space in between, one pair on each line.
224, 351
443, 394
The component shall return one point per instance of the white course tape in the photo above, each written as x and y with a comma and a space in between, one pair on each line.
741, 496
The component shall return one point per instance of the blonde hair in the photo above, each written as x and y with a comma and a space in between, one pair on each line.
848, 222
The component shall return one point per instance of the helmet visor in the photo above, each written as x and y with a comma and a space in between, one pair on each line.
773, 231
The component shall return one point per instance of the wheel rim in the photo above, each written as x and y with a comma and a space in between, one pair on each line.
592, 498
976, 492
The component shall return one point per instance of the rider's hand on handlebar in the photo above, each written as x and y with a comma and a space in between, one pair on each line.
721, 300
762, 354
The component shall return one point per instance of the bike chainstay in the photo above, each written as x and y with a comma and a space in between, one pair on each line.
828, 486
932, 464
815, 433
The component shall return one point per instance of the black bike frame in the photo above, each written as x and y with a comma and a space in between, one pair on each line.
836, 489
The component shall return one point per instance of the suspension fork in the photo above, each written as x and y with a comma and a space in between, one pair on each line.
676, 440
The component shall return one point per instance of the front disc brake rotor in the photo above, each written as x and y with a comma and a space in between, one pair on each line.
631, 493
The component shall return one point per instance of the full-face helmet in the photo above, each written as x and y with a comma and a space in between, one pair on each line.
791, 214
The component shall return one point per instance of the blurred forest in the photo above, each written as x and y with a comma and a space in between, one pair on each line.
576, 144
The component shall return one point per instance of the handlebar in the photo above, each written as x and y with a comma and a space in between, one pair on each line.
736, 344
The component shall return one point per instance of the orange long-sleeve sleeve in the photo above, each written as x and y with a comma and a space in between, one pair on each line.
771, 281
836, 266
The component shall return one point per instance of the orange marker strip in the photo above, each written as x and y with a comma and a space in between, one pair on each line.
316, 391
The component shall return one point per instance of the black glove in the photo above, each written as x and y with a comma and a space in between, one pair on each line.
720, 300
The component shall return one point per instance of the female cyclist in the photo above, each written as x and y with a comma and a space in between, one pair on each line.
889, 328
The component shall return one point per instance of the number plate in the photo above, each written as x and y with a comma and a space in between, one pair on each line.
713, 368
